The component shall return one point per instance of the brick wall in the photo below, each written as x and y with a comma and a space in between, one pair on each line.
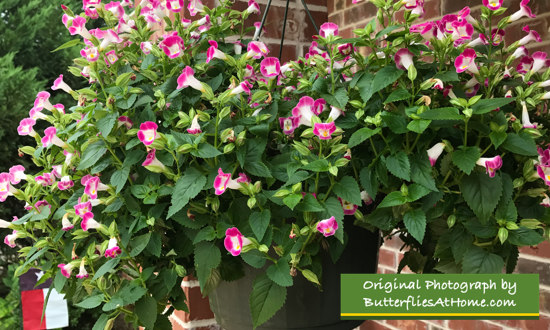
350, 16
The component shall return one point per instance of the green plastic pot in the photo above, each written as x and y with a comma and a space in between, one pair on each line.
306, 307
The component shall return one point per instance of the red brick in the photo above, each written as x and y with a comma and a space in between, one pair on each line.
407, 324
372, 325
199, 307
359, 14
337, 19
339, 4
450, 7
472, 325
541, 250
395, 242
544, 301
387, 258
533, 267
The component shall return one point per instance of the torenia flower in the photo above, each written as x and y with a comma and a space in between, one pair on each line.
242, 87
78, 26
253, 7
56, 170
520, 52
82, 273
524, 11
93, 185
319, 106
6, 224
539, 61
43, 101
112, 248
59, 108
172, 45
109, 37
367, 199
66, 223
491, 164
66, 269
532, 35
466, 61
234, 241
6, 188
26, 127
214, 52
65, 183
403, 59
147, 132
115, 8
88, 222
146, 47
46, 179
324, 130
224, 181
327, 227
60, 84
304, 110
90, 53
544, 173
194, 7
349, 208
187, 79
462, 31
525, 117
270, 67
174, 6
50, 138
289, 124
256, 49
82, 208
525, 64
152, 163
125, 121
9, 240
335, 113
17, 173
195, 126
546, 201
36, 113
493, 4
434, 152
328, 29
111, 57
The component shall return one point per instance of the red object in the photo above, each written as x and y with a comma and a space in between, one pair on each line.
32, 302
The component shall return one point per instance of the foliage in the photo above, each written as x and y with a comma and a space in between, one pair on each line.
180, 157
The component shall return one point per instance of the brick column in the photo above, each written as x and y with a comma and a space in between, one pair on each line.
199, 317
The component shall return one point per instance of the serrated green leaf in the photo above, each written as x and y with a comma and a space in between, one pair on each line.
421, 171
395, 122
393, 199
254, 258
292, 200
310, 276
348, 189
205, 150
478, 261
119, 178
92, 155
398, 95
106, 267
139, 243
91, 302
259, 221
319, 165
369, 181
418, 125
101, 322
154, 246
106, 124
385, 77
146, 311
481, 193
68, 44
442, 114
309, 204
497, 138
415, 222
257, 168
524, 236
488, 105
265, 300
333, 208
447, 76
207, 257
521, 144
465, 158
208, 233
399, 165
187, 187
361, 135
280, 273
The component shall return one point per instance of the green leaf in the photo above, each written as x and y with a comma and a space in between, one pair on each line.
524, 236
421, 171
361, 135
207, 257
418, 125
187, 187
310, 276
126, 104
91, 302
416, 192
465, 158
254, 258
280, 273
339, 99
146, 311
106, 124
91, 155
319, 165
395, 122
365, 86
385, 77
205, 150
139, 243
155, 245
259, 221
348, 189
292, 200
398, 95
488, 105
119, 178
415, 221
442, 114
266, 299
497, 138
382, 218
106, 267
399, 165
369, 181
521, 144
257, 168
478, 261
447, 76
309, 204
208, 233
113, 303
101, 322
481, 193
393, 199
68, 44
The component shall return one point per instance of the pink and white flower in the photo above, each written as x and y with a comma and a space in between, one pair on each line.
195, 126
532, 35
82, 208
112, 248
46, 179
152, 163
65, 183
147, 132
270, 67
214, 52
125, 121
224, 181
335, 113
174, 6
520, 52
59, 108
462, 30
493, 4
328, 226
319, 106
9, 240
328, 29
367, 199
256, 50
525, 64
78, 26
187, 78
253, 7
324, 130
109, 37
304, 110
524, 11
434, 152
82, 273
66, 269
68, 157
93, 185
243, 87
466, 61
43, 101
539, 61
146, 47
403, 59
66, 223
57, 170
289, 124
526, 122
345, 49
491, 164
6, 189
90, 53
111, 57
115, 8
60, 84
17, 173
349, 208
26, 127
172, 45
50, 138
88, 222
36, 113
194, 7
234, 241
